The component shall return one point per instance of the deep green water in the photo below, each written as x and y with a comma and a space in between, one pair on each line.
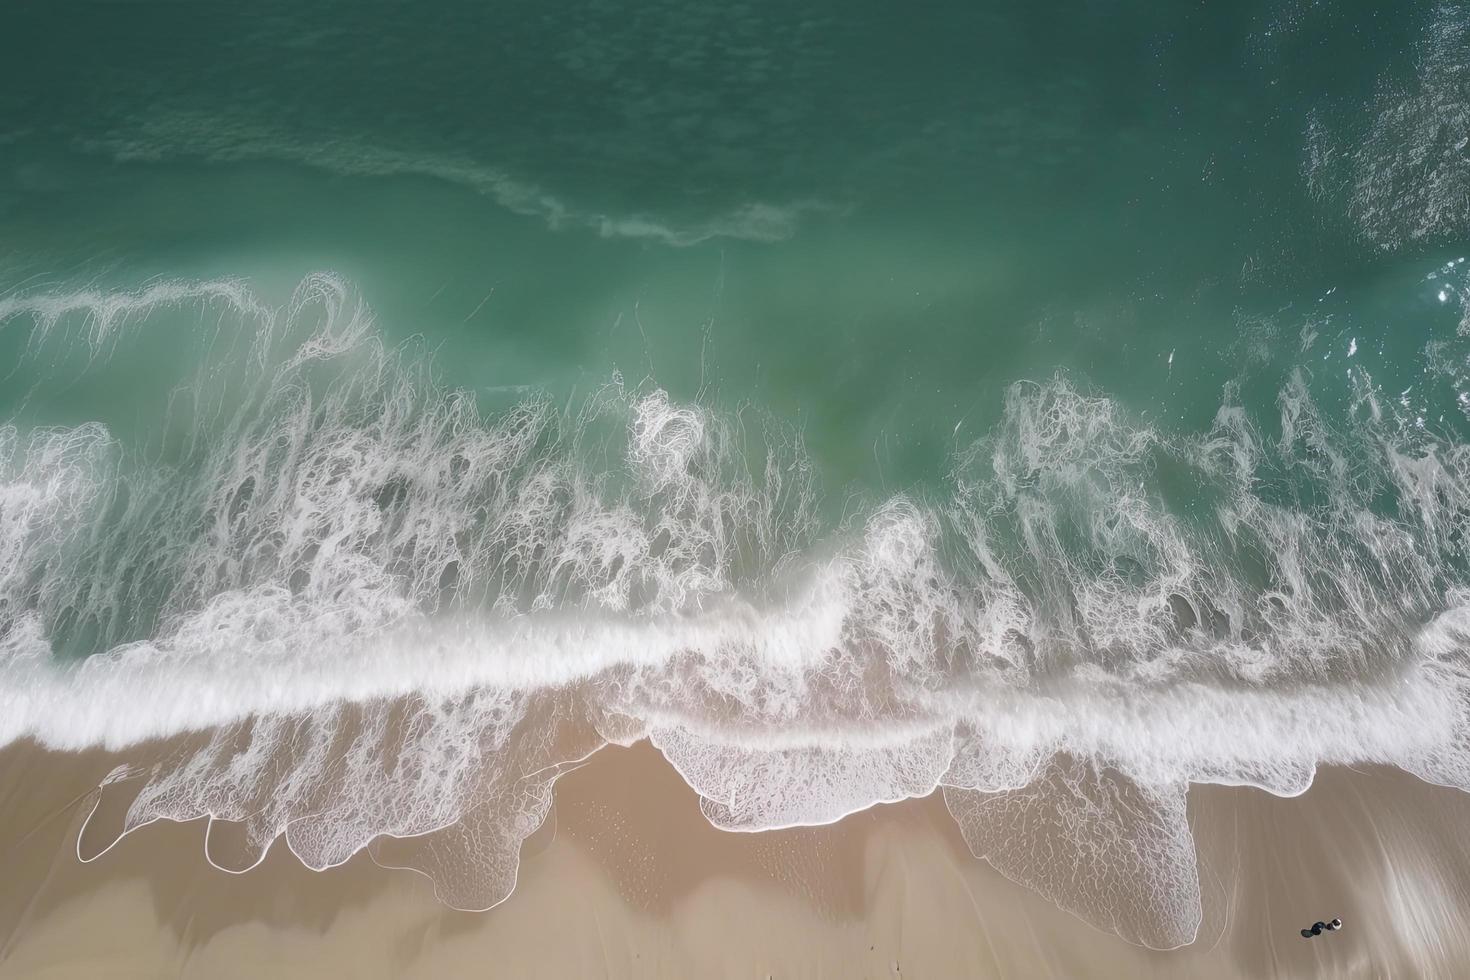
901, 212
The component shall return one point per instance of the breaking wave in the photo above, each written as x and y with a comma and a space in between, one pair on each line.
329, 599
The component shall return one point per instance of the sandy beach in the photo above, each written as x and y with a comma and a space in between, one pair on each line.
627, 879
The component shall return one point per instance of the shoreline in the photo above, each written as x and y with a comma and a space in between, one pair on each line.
627, 878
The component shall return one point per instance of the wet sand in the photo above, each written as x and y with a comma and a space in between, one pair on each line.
627, 879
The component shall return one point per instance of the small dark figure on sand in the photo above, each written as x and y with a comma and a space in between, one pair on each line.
1317, 928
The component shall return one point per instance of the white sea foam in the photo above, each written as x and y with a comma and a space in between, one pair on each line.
1403, 179
163, 135
390, 621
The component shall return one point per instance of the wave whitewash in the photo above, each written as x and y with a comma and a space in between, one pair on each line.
360, 609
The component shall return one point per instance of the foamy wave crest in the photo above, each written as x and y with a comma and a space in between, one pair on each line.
342, 606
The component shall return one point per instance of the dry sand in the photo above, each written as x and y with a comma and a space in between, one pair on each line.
626, 879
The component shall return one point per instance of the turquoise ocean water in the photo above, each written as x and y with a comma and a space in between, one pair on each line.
1060, 405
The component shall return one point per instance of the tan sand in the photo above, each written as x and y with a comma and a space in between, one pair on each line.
627, 880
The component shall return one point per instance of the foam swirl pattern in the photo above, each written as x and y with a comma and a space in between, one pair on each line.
363, 614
